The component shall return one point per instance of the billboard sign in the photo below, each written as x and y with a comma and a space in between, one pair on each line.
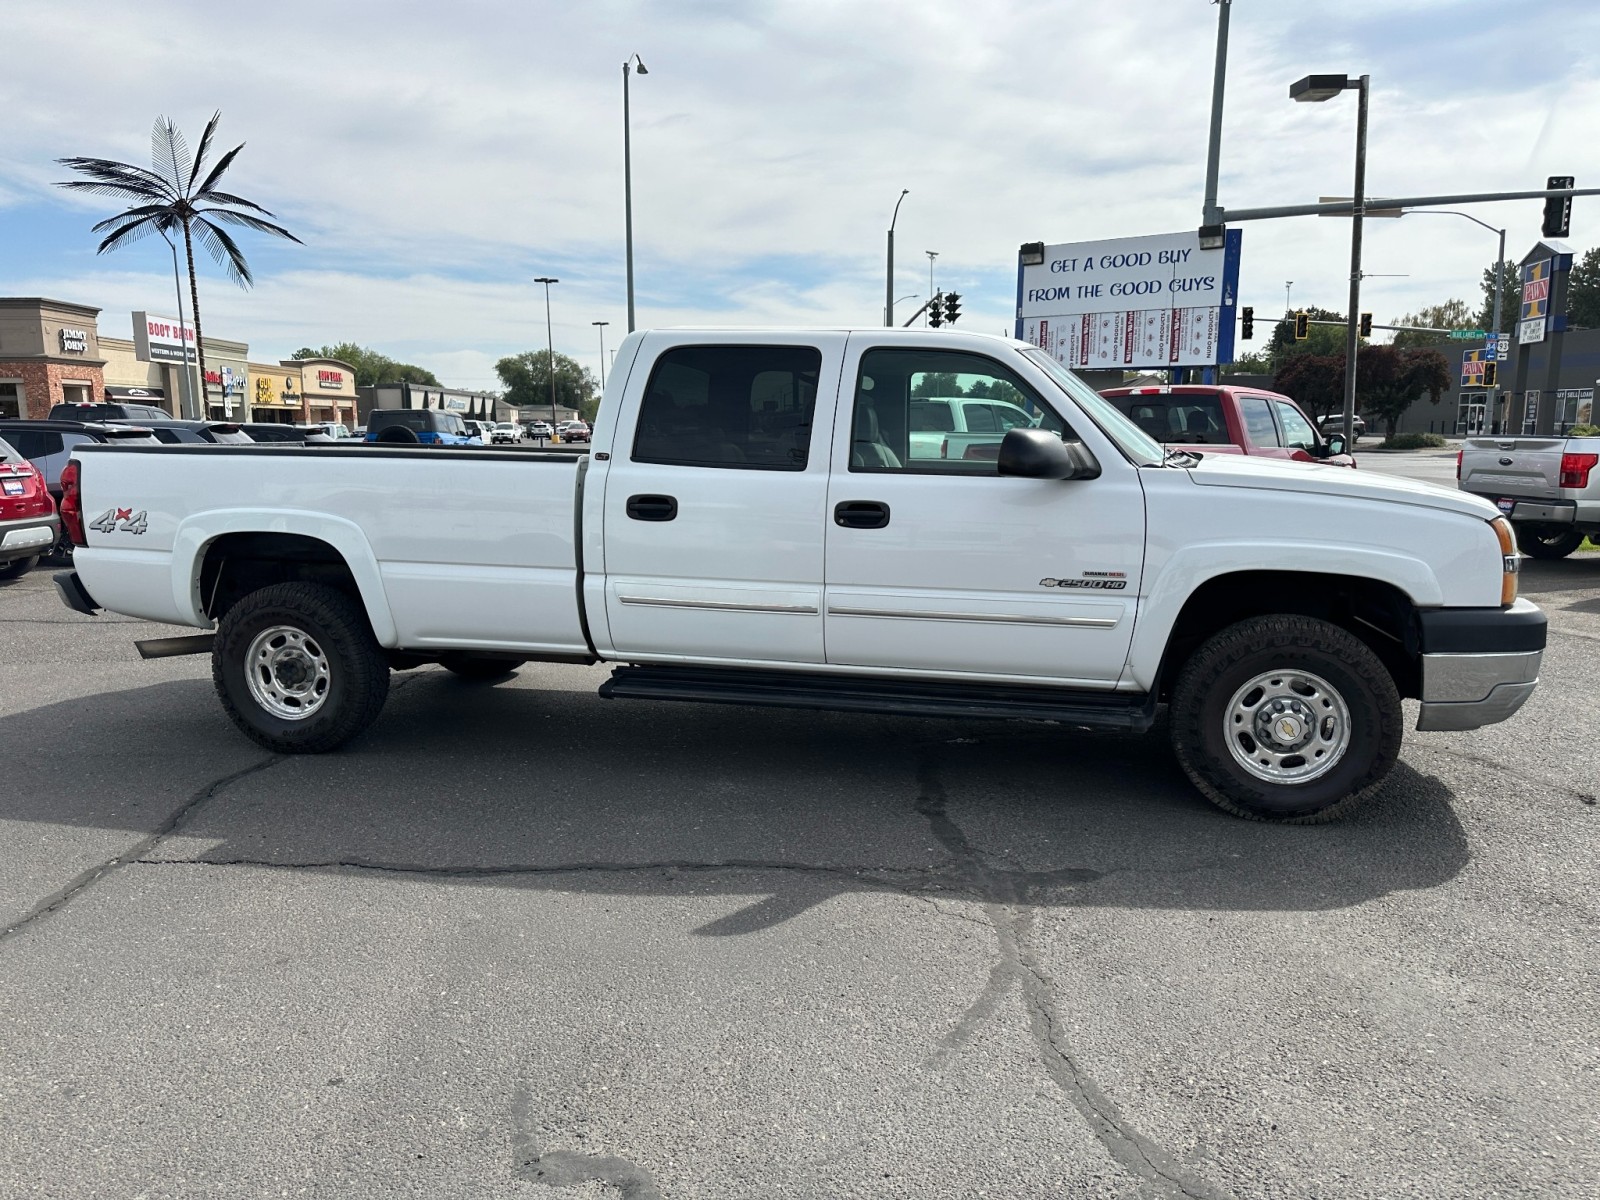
162, 339
1472, 364
1132, 303
1535, 302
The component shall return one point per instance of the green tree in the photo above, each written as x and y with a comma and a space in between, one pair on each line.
1452, 314
1510, 298
527, 380
1583, 291
937, 383
1390, 379
173, 197
1256, 362
371, 366
1324, 339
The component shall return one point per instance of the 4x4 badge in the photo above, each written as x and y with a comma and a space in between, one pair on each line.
123, 519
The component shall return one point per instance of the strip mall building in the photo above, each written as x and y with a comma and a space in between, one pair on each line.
54, 352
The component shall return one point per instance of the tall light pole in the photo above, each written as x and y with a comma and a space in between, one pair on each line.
550, 336
602, 325
932, 254
888, 281
634, 63
1315, 89
1288, 290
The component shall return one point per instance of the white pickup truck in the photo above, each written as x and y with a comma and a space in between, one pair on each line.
1549, 487
749, 527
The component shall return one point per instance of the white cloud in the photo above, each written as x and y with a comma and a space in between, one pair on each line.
436, 157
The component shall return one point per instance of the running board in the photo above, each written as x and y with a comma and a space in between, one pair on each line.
175, 647
1133, 712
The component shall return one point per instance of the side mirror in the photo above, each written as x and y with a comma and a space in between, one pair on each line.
1040, 454
1334, 445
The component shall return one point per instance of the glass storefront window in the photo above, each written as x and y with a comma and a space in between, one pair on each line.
10, 399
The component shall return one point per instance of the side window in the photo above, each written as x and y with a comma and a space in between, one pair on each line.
899, 395
1258, 421
1296, 429
36, 443
735, 407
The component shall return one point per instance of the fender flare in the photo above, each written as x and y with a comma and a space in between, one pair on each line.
196, 533
1193, 566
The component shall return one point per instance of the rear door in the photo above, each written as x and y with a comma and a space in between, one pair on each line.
943, 565
714, 509
1513, 467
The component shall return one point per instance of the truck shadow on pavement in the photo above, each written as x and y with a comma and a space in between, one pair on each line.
519, 785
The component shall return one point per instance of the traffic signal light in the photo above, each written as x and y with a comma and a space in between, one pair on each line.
952, 308
1557, 209
1366, 324
1302, 326
936, 311
1249, 329
1491, 374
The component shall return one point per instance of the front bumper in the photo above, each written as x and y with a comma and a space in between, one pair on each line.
1479, 665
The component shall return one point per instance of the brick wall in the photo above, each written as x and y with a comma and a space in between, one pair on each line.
41, 383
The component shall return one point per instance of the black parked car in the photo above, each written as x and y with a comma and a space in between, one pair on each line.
172, 432
271, 431
49, 444
108, 411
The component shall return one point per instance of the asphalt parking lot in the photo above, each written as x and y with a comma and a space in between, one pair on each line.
520, 941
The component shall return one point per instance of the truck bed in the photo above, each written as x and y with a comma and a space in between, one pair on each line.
465, 548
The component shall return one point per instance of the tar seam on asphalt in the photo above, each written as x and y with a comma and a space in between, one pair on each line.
566, 1168
58, 900
1012, 915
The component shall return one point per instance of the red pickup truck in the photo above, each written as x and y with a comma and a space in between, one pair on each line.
1229, 420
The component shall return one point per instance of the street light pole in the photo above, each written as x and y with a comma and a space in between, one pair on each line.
932, 254
550, 336
627, 172
602, 325
888, 282
1315, 89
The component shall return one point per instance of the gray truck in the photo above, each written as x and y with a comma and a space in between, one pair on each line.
1548, 487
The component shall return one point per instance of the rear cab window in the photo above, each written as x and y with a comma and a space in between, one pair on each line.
734, 407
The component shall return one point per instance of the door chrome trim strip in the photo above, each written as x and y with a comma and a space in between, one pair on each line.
719, 605
996, 618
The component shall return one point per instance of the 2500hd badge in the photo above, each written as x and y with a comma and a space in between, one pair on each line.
1104, 585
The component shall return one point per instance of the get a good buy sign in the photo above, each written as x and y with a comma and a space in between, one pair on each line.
1132, 303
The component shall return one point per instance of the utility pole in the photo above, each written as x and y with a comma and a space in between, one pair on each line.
932, 254
551, 338
1210, 214
888, 283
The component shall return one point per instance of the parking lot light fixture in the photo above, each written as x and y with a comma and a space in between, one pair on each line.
602, 325
550, 338
1314, 89
636, 65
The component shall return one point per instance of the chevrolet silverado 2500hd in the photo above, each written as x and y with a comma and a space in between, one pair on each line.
749, 526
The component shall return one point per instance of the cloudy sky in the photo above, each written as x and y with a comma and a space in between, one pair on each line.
435, 158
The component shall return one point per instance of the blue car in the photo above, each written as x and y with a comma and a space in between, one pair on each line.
418, 426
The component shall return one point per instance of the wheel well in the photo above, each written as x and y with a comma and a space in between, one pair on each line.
1378, 613
237, 564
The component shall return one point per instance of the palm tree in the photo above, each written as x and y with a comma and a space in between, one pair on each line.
172, 196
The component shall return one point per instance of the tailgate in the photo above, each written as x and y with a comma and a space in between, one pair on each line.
1528, 466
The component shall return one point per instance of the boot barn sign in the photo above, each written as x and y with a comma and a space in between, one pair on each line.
162, 339
1132, 303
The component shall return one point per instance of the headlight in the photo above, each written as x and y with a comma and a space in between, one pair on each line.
1510, 559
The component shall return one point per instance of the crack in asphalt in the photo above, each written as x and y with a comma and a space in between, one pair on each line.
1011, 916
59, 899
566, 1168
1538, 782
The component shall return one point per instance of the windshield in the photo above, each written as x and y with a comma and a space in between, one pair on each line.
1134, 442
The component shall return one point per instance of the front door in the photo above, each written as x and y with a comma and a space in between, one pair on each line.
714, 498
937, 563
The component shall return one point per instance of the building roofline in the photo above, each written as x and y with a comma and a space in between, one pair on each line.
42, 301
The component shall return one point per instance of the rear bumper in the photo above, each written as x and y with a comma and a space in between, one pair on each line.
27, 536
74, 595
1479, 666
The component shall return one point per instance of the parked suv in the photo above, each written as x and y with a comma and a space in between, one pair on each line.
413, 426
505, 431
574, 431
28, 524
108, 411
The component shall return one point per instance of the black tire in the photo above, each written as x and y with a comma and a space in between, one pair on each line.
18, 567
1225, 664
357, 669
479, 667
1548, 541
398, 435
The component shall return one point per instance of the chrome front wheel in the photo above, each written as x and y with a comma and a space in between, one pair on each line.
1287, 726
